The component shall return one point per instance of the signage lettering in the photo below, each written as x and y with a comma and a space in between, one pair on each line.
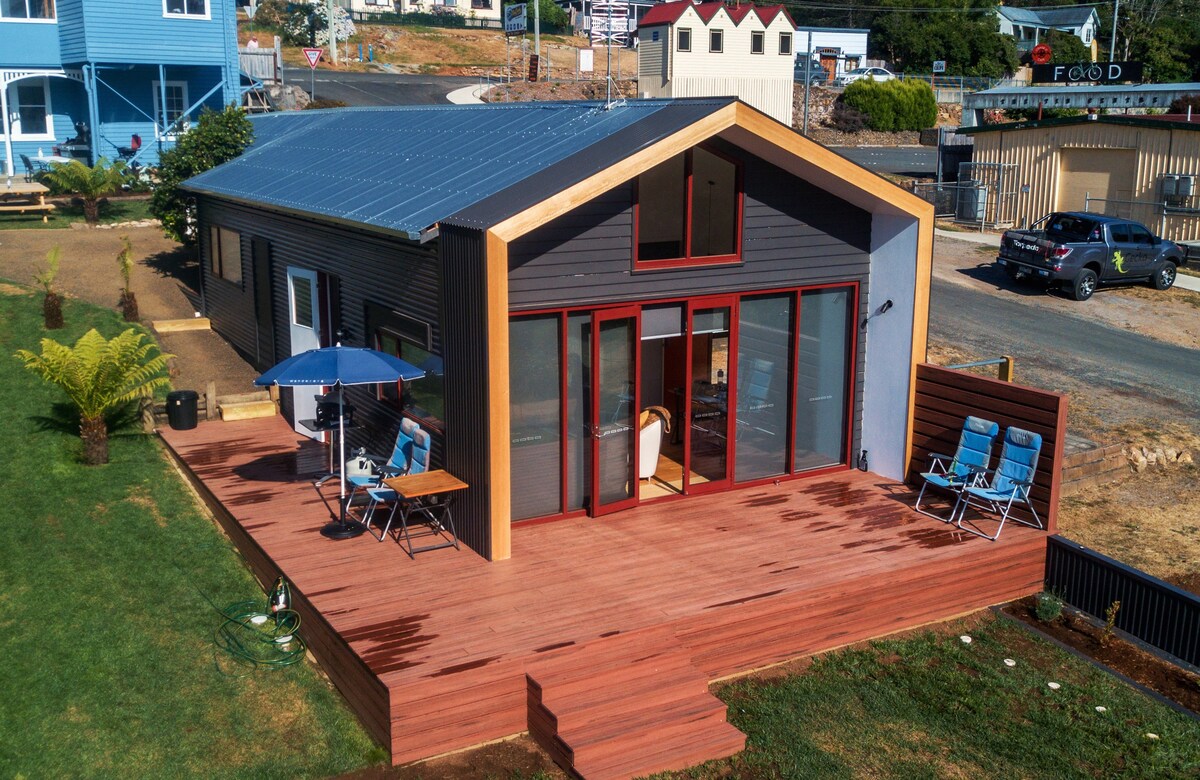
1098, 72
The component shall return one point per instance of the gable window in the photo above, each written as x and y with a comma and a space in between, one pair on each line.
38, 10
716, 40
758, 42
688, 211
684, 39
177, 96
29, 107
193, 8
225, 254
785, 44
410, 340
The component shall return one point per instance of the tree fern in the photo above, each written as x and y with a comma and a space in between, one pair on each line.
90, 184
98, 375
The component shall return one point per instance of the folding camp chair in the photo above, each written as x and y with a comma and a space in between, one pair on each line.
394, 466
418, 463
967, 467
1009, 485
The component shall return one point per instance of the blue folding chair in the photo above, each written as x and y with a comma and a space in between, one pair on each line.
1009, 485
395, 465
966, 467
418, 464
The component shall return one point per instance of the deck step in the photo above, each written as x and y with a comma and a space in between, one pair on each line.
248, 410
179, 326
627, 706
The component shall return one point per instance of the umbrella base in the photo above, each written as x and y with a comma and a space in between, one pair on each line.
343, 529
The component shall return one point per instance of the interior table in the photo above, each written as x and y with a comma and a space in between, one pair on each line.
428, 494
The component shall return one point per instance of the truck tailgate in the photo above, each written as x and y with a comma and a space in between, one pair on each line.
1026, 248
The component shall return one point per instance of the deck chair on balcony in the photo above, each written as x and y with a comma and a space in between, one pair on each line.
382, 495
395, 465
966, 467
1008, 487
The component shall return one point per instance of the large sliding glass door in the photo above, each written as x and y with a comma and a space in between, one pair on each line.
710, 427
614, 410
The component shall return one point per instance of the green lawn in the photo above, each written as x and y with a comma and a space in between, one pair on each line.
116, 210
931, 706
105, 632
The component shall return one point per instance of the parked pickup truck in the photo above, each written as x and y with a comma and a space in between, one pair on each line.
1077, 250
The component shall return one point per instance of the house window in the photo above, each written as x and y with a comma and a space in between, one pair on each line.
758, 42
684, 39
29, 106
485, 4
26, 9
1087, 35
689, 211
192, 8
785, 44
422, 399
176, 95
225, 254
715, 41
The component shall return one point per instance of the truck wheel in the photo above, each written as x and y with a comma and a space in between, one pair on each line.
1165, 277
1084, 285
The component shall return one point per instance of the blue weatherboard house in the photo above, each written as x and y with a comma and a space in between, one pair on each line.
81, 78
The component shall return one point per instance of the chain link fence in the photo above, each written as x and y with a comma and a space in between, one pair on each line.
984, 196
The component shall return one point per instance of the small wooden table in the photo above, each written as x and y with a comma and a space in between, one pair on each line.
22, 196
430, 494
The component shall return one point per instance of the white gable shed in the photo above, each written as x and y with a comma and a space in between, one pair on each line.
714, 50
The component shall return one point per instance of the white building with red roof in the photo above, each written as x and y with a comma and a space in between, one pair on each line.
714, 49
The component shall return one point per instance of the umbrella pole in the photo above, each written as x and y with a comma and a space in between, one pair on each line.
342, 448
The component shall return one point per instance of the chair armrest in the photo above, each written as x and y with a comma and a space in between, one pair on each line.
939, 460
391, 471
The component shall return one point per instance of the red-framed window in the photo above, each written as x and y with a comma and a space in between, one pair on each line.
688, 211
410, 340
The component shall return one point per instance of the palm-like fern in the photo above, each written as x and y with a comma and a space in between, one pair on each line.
52, 315
129, 306
90, 184
98, 375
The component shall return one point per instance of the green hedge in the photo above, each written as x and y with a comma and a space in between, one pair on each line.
893, 105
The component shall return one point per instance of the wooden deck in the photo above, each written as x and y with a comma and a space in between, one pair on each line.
449, 650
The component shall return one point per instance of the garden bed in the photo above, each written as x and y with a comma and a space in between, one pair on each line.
1077, 631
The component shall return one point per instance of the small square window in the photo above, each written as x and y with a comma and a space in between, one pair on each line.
758, 42
186, 8
654, 35
684, 40
225, 254
785, 44
716, 41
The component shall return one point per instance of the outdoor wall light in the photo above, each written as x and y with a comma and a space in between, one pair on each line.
883, 307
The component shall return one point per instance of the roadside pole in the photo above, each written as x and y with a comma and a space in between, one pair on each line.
807, 80
537, 36
330, 23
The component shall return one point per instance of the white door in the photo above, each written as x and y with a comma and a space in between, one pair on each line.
304, 316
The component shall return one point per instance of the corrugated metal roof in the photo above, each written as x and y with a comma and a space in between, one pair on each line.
1167, 122
1048, 17
406, 168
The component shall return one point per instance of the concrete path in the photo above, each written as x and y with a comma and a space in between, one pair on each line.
1183, 281
469, 94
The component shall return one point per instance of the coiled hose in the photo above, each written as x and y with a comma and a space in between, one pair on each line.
253, 640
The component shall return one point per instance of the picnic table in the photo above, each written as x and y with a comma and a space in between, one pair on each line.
25, 196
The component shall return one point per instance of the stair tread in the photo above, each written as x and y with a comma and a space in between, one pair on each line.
630, 676
717, 740
648, 720
602, 704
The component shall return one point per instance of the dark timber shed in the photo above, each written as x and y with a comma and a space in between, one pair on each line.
560, 267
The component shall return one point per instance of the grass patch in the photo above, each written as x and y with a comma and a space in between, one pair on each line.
115, 210
931, 706
105, 629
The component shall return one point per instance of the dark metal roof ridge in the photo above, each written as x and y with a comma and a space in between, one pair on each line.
1129, 121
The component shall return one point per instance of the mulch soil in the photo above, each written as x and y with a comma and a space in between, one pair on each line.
1157, 674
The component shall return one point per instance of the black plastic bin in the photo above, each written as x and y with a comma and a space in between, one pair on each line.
181, 409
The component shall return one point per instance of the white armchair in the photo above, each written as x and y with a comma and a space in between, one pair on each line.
655, 421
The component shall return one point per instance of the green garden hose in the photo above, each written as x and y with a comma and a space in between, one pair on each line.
255, 640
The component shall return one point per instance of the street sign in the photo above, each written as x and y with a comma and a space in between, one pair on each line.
515, 21
534, 62
250, 10
1041, 54
587, 59
313, 56
939, 66
1098, 72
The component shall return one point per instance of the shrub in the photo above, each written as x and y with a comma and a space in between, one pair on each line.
1049, 607
91, 184
900, 104
847, 119
1180, 105
298, 31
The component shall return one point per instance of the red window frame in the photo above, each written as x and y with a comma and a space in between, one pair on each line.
688, 261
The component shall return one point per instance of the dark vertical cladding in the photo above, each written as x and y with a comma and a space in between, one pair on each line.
464, 302
392, 272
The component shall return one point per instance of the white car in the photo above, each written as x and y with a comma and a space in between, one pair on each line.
875, 74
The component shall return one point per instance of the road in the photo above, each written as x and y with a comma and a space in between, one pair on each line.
378, 89
903, 160
1132, 376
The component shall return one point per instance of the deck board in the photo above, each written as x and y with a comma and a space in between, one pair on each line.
431, 652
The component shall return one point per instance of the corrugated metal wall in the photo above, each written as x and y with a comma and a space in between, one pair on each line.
464, 301
392, 272
1035, 152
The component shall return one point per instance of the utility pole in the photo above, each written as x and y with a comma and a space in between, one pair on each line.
1112, 45
537, 34
329, 21
807, 78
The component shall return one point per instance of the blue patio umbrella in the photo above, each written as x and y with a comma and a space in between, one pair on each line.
336, 367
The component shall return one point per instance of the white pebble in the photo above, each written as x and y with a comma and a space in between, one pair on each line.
1053, 686
1150, 735
965, 639
1009, 662
1101, 709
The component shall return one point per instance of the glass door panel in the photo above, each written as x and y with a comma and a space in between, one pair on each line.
536, 416
763, 374
614, 410
709, 421
823, 382
579, 411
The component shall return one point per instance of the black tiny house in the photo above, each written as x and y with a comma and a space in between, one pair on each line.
561, 268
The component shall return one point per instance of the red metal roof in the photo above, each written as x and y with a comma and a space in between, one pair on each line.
669, 13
